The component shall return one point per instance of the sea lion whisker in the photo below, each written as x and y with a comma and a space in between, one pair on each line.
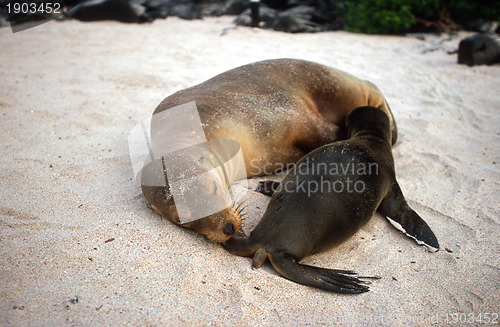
237, 208
243, 208
240, 207
240, 203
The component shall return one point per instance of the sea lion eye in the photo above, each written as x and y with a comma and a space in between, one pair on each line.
216, 188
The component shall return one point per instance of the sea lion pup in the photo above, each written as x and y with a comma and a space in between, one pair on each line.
278, 111
328, 195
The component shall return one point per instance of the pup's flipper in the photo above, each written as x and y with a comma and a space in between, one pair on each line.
338, 281
399, 214
240, 245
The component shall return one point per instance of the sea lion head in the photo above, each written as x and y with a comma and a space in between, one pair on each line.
218, 227
213, 194
368, 121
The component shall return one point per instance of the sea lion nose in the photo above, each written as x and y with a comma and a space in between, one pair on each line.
228, 229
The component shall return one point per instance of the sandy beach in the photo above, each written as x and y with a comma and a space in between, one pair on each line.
78, 245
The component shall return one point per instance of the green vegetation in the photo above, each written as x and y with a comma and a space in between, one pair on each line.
399, 16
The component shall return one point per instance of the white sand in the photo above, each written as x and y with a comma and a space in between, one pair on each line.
69, 94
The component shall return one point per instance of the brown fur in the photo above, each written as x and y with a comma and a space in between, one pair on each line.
278, 110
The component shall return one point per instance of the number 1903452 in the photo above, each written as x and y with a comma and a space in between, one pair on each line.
33, 8
472, 318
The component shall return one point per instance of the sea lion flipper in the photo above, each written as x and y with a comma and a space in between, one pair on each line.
395, 208
267, 187
339, 281
240, 246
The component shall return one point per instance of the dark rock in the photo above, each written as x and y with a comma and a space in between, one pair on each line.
287, 22
119, 10
302, 12
479, 49
185, 11
266, 15
480, 25
293, 20
235, 7
330, 14
156, 8
275, 4
212, 10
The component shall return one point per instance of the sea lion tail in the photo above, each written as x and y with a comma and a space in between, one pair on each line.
395, 208
338, 281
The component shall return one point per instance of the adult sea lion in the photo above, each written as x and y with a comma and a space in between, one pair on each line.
328, 195
278, 111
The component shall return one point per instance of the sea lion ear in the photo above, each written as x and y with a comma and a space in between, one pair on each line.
395, 208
